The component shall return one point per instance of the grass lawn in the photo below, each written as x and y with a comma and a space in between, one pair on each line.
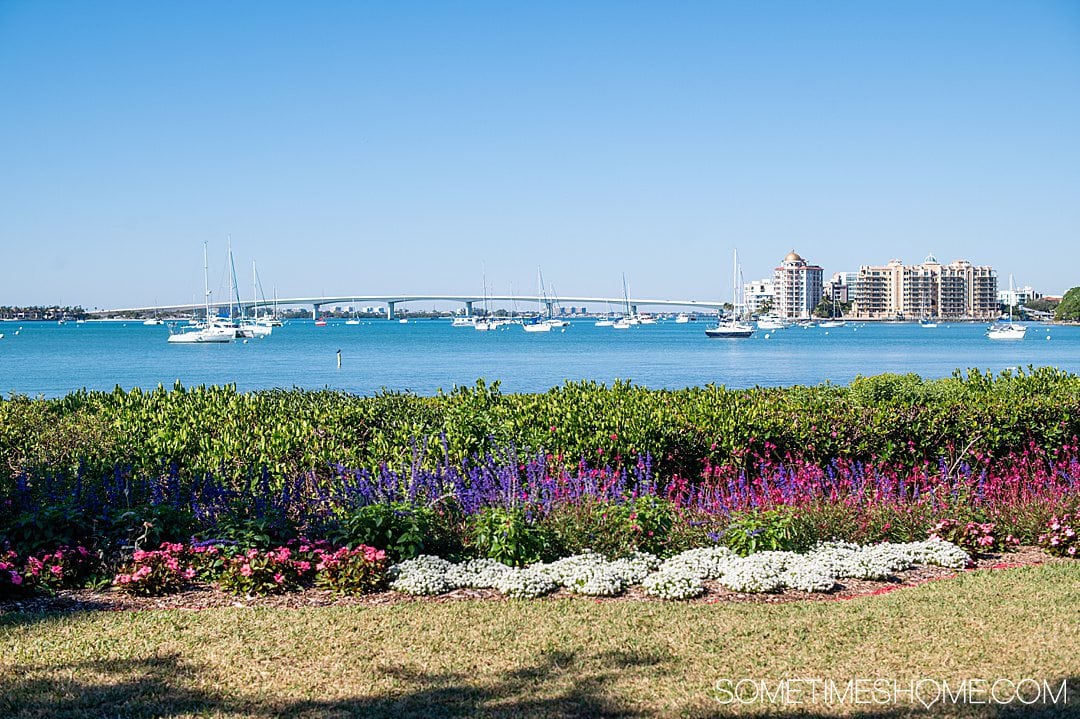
562, 657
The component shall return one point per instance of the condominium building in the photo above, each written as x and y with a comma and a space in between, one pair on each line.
758, 294
841, 286
958, 290
1018, 296
796, 287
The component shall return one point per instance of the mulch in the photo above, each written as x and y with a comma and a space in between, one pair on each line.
209, 596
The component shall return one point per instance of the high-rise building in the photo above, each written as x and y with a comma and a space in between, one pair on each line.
756, 294
1018, 296
841, 286
796, 287
958, 290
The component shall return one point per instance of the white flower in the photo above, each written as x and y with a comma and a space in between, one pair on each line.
674, 583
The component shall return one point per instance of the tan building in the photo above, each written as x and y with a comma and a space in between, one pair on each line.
958, 290
796, 287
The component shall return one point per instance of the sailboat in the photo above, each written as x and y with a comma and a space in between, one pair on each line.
257, 327
733, 328
627, 320
155, 320
554, 322
355, 319
207, 332
837, 318
487, 323
1007, 330
537, 324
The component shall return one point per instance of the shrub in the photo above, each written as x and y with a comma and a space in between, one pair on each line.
507, 536
262, 532
402, 530
12, 582
258, 572
352, 571
972, 537
1062, 536
154, 573
51, 526
763, 530
153, 525
208, 558
65, 568
616, 529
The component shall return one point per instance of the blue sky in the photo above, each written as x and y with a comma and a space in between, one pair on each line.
403, 146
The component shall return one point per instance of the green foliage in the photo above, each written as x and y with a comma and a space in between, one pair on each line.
258, 532
258, 573
616, 529
404, 531
45, 530
770, 530
507, 536
151, 525
891, 418
1069, 309
356, 571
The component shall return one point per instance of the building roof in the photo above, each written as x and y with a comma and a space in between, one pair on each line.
793, 256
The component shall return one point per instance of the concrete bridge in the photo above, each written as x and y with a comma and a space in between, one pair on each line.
392, 301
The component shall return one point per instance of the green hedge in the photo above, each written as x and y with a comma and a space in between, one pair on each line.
895, 418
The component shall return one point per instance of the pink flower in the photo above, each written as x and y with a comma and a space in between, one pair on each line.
245, 570
279, 578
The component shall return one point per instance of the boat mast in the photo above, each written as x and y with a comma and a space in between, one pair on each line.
735, 285
206, 284
254, 291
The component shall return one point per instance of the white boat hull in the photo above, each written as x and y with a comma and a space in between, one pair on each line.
734, 330
1007, 332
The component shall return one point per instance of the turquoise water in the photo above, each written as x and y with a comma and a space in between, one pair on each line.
426, 355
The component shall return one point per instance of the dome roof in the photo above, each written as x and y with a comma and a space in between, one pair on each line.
793, 256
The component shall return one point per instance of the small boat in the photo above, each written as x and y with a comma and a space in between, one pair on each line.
204, 333
1006, 331
320, 322
153, 321
682, 319
403, 321
623, 324
733, 328
770, 323
829, 324
537, 323
536, 326
604, 323
557, 323
353, 321
467, 321
646, 320
927, 323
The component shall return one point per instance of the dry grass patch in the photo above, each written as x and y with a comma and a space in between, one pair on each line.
560, 657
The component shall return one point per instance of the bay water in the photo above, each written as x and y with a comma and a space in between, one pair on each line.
423, 356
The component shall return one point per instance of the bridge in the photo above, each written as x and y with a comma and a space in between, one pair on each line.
392, 301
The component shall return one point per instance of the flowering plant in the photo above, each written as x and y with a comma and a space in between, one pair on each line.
261, 572
11, 576
157, 572
1061, 537
352, 571
66, 567
972, 536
